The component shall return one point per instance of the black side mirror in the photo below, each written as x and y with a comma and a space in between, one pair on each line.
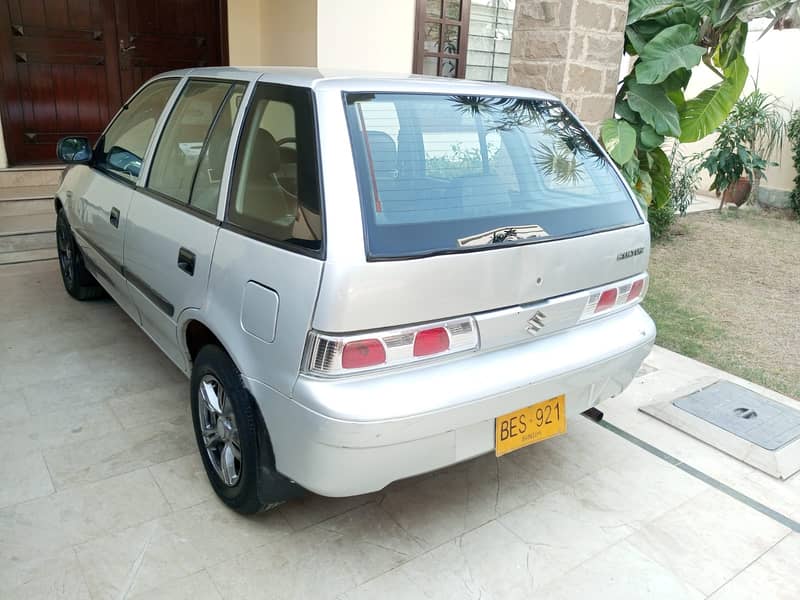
74, 150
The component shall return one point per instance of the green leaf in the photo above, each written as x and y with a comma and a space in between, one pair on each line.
645, 187
708, 110
651, 102
670, 50
731, 45
641, 9
674, 16
619, 138
675, 84
649, 139
659, 174
623, 110
636, 40
677, 98
631, 171
701, 7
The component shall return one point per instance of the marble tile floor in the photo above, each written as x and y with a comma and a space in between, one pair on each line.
104, 495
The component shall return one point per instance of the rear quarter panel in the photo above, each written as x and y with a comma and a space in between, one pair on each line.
293, 277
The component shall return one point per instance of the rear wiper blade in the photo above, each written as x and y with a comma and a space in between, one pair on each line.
502, 235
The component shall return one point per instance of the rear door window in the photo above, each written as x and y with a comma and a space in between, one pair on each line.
185, 137
276, 186
444, 173
205, 190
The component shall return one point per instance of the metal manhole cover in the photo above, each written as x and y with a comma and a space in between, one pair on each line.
744, 413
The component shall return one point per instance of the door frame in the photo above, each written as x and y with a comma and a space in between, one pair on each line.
8, 73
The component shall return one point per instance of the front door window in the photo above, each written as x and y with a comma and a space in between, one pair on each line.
121, 149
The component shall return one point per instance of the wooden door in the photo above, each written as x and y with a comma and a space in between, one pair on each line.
60, 74
159, 35
67, 65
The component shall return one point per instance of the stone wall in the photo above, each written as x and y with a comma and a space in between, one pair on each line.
571, 49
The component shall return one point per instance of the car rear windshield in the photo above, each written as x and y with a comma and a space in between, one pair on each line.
444, 173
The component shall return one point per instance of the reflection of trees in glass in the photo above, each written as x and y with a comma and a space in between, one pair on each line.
457, 162
559, 159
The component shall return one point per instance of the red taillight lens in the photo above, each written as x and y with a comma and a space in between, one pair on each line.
636, 289
607, 300
431, 341
363, 353
332, 355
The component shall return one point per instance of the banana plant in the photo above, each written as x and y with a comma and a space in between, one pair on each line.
667, 39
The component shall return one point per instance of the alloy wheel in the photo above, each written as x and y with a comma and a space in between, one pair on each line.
219, 430
65, 252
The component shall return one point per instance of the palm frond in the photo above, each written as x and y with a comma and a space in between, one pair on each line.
560, 166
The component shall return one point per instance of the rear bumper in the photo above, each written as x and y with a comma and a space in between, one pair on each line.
357, 435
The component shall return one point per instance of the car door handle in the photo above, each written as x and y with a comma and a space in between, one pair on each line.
186, 260
113, 218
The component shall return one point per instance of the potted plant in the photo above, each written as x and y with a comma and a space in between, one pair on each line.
732, 164
761, 119
752, 133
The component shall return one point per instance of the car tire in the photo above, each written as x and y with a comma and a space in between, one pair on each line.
232, 438
79, 283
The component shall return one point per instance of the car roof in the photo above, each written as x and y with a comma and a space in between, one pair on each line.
364, 81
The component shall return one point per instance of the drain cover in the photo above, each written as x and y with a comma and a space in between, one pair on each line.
744, 413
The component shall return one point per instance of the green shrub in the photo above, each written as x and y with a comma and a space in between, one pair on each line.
660, 219
684, 177
793, 130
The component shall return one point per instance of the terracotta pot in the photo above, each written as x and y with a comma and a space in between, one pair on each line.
738, 192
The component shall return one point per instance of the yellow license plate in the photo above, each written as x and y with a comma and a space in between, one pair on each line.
529, 425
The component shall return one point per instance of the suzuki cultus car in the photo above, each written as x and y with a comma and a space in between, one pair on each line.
365, 278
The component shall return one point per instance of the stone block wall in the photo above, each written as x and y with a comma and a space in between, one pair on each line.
571, 49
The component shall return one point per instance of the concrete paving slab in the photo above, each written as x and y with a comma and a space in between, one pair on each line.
673, 375
773, 575
781, 460
586, 514
703, 202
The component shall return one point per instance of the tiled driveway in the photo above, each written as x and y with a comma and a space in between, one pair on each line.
103, 496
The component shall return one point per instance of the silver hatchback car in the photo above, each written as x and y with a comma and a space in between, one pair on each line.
365, 278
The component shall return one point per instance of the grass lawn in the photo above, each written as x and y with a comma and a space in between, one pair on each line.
725, 290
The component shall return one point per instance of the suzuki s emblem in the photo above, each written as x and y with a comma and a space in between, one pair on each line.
535, 324
630, 253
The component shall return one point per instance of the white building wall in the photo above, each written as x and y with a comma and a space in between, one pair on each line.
375, 35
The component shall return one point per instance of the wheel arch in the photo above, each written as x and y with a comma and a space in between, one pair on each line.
194, 333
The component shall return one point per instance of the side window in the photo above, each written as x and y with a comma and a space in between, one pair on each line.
276, 191
123, 146
178, 152
205, 192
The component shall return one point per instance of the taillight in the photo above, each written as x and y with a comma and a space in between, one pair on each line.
636, 289
616, 296
363, 353
431, 341
607, 300
343, 354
